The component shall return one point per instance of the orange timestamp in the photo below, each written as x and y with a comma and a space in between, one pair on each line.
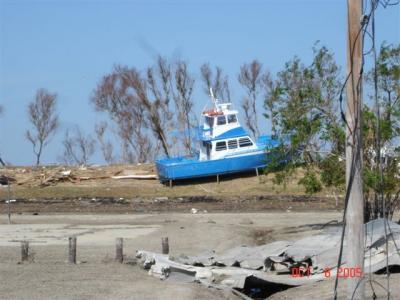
342, 272
354, 272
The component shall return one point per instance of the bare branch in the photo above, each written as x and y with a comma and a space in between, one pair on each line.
184, 104
106, 146
250, 78
119, 94
42, 114
78, 148
218, 83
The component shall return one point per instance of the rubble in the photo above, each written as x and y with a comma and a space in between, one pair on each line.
271, 265
136, 176
53, 175
4, 179
133, 174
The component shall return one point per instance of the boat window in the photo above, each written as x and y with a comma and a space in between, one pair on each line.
245, 142
221, 120
232, 119
210, 121
220, 146
232, 144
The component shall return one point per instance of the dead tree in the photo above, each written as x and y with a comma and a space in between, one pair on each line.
117, 95
42, 114
156, 102
218, 82
105, 146
78, 148
250, 78
183, 101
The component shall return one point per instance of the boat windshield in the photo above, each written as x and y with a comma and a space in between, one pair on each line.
232, 119
209, 121
221, 120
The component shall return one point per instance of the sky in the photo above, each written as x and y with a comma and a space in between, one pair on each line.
67, 46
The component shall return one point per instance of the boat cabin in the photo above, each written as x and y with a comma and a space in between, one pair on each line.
222, 134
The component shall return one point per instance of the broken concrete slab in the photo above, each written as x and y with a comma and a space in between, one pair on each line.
271, 264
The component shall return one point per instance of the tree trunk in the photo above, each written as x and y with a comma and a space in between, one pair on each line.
39, 153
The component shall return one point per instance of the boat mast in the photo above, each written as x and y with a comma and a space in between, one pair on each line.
214, 100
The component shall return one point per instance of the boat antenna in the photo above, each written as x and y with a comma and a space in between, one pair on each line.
214, 100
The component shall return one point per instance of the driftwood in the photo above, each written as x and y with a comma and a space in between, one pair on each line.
137, 176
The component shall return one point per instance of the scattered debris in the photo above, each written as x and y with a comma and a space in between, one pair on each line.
193, 211
4, 179
160, 199
137, 176
245, 269
66, 173
133, 174
52, 175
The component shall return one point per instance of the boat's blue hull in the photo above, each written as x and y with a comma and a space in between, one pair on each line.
184, 168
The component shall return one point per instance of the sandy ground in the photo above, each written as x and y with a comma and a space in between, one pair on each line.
97, 276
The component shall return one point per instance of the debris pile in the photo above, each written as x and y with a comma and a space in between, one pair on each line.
53, 175
263, 270
6, 179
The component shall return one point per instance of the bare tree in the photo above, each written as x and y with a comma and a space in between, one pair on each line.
78, 148
117, 94
184, 104
106, 146
160, 116
218, 82
42, 114
250, 78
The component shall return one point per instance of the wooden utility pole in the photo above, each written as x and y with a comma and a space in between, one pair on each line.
355, 209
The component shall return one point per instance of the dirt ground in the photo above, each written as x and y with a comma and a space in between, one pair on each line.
94, 190
89, 203
97, 276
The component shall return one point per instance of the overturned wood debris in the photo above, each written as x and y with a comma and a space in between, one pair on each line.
54, 175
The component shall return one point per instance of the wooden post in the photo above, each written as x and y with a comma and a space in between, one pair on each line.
24, 250
72, 250
119, 254
165, 245
218, 178
170, 183
355, 209
258, 175
9, 200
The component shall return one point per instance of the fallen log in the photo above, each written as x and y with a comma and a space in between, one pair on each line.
136, 176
